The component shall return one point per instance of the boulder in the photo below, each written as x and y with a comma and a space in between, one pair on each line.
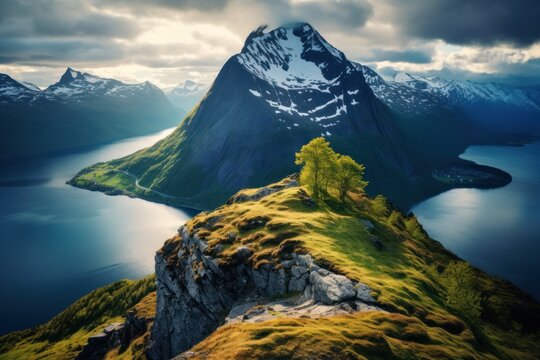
331, 288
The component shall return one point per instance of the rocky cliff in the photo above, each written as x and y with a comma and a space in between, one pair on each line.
196, 292
275, 274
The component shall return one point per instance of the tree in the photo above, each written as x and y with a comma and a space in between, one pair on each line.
319, 162
348, 175
395, 218
379, 206
414, 228
461, 293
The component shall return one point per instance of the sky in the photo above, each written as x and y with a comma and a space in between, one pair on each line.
169, 41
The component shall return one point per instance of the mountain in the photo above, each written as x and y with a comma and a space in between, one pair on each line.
79, 110
13, 91
494, 107
422, 113
275, 274
186, 94
284, 88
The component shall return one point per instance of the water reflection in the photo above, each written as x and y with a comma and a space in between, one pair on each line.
497, 230
59, 242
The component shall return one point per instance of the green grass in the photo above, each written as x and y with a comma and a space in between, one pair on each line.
417, 322
399, 274
64, 335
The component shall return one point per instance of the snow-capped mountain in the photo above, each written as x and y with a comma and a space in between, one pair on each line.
284, 88
467, 92
79, 110
493, 107
186, 94
401, 97
13, 90
75, 84
301, 79
31, 86
424, 113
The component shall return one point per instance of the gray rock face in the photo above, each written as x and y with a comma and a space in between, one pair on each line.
331, 288
115, 334
194, 292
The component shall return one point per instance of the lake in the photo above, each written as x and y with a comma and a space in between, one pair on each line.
59, 242
497, 230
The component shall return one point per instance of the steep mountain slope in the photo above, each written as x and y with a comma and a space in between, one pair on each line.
284, 88
494, 107
64, 336
186, 94
13, 91
79, 110
275, 274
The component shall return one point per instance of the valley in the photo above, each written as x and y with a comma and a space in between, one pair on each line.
246, 180
291, 85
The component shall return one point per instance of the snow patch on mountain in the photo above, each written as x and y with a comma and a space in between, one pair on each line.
281, 58
72, 86
255, 92
467, 92
400, 97
186, 94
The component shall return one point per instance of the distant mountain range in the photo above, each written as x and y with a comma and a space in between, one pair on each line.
284, 88
495, 108
186, 94
79, 110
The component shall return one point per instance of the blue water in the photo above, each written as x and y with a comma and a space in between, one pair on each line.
497, 230
58, 242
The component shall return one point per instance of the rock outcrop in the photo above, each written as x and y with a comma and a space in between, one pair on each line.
114, 335
196, 293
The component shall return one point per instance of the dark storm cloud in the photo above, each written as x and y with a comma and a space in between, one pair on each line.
345, 14
145, 6
90, 25
42, 18
106, 33
409, 56
33, 51
467, 22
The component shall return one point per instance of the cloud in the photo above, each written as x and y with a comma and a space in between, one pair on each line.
522, 74
86, 25
149, 7
170, 40
409, 56
345, 15
467, 22
59, 51
60, 18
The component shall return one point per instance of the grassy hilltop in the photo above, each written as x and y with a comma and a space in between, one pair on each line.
434, 305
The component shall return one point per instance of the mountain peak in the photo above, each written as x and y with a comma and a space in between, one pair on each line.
299, 26
402, 77
292, 54
70, 75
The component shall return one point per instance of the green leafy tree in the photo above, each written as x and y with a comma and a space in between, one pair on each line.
414, 228
379, 206
461, 289
395, 218
348, 176
318, 162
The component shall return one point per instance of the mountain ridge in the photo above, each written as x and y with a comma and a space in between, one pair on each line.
286, 87
186, 94
79, 110
274, 269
